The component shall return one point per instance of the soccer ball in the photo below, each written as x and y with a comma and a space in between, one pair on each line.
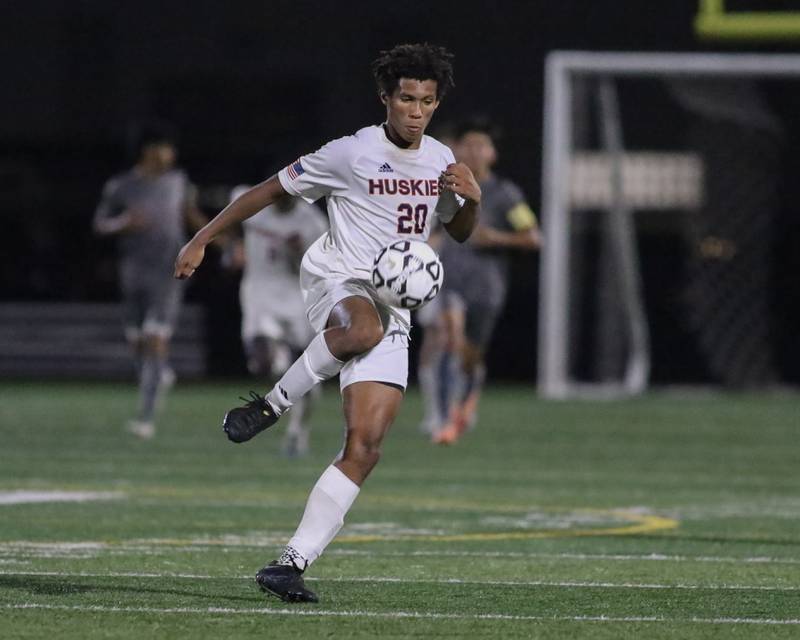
407, 274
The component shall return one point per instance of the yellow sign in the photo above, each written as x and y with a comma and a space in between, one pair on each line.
714, 22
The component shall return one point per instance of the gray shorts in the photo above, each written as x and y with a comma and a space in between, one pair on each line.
150, 302
479, 318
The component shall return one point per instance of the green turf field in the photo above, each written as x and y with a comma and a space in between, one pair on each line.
663, 517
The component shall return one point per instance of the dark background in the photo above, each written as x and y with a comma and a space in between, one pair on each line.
252, 85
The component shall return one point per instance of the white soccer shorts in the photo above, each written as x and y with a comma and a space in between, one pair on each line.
324, 284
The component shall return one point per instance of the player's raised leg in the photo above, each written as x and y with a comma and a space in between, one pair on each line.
369, 409
354, 327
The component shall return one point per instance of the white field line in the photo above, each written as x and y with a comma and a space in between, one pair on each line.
447, 581
396, 614
26, 549
22, 496
617, 557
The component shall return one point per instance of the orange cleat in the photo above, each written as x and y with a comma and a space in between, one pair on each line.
453, 429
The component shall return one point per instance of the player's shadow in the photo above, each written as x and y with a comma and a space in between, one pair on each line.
54, 586
42, 586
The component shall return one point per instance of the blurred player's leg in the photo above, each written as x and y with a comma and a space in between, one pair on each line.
151, 373
430, 356
297, 334
257, 352
296, 441
270, 357
475, 376
475, 334
451, 370
162, 302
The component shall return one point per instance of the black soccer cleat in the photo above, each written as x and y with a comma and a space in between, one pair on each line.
242, 423
284, 582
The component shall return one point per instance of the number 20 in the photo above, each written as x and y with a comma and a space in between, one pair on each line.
418, 214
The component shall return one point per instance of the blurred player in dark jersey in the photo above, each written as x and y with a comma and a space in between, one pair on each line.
476, 281
147, 208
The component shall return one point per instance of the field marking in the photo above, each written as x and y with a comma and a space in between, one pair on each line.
616, 557
393, 580
155, 546
396, 614
640, 523
22, 496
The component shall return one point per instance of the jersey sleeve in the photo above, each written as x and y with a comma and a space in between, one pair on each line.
519, 216
316, 225
449, 203
318, 174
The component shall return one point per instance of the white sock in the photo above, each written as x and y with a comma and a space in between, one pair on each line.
328, 502
314, 366
297, 417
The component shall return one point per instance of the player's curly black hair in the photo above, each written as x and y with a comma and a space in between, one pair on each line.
415, 61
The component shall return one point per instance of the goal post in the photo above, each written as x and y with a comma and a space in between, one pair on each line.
619, 183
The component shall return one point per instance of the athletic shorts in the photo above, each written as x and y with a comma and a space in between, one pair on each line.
429, 315
324, 283
150, 302
479, 318
279, 317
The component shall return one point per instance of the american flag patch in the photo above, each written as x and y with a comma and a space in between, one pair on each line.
295, 170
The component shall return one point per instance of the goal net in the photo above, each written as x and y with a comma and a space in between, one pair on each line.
662, 179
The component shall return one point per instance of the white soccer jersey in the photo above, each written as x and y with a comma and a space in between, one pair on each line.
376, 192
274, 242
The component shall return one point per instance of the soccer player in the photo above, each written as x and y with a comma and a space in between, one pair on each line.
381, 184
476, 280
273, 335
147, 207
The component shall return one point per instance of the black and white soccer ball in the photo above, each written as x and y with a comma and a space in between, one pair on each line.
407, 274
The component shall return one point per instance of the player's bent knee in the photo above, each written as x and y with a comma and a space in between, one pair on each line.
364, 452
362, 337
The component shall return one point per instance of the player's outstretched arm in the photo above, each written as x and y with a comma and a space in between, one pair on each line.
522, 233
458, 179
246, 205
491, 238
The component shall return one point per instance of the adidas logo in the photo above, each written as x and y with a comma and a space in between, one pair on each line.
385, 168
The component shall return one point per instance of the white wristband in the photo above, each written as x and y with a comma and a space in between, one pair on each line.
447, 206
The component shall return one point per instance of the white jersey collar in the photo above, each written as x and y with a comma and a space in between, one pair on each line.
406, 153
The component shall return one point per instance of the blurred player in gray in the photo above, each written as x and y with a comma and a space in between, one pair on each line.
275, 329
475, 284
147, 208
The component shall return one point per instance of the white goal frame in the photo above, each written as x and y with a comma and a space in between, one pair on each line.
561, 67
